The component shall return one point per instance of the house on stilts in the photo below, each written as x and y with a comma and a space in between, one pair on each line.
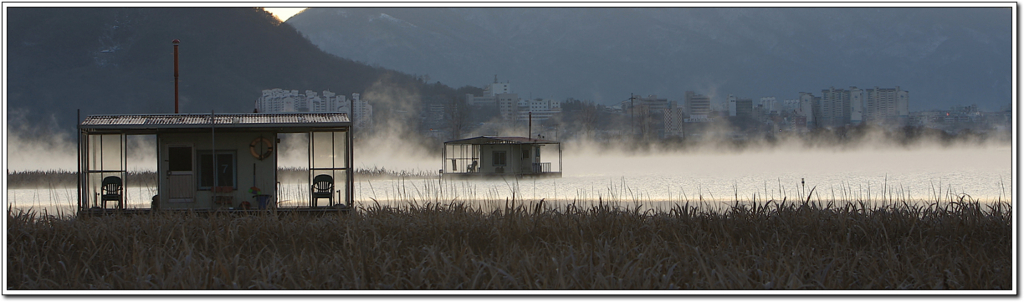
214, 162
497, 156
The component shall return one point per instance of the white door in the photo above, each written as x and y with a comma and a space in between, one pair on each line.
180, 177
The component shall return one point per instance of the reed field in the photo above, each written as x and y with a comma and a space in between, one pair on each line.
806, 245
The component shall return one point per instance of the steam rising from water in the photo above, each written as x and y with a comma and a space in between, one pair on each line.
393, 147
709, 172
664, 170
57, 151
26, 152
875, 154
391, 143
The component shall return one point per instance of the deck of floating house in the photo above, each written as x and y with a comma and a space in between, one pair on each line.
214, 162
501, 156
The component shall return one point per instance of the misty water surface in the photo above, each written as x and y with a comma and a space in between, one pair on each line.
922, 175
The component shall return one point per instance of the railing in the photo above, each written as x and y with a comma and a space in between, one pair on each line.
461, 165
469, 166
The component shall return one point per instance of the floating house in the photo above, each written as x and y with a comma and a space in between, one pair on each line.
214, 162
495, 156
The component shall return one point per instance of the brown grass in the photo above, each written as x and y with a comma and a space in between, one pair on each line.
958, 245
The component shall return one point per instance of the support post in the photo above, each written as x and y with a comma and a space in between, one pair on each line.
175, 42
349, 191
213, 160
78, 142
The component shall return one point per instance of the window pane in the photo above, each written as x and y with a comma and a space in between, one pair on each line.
179, 158
498, 158
340, 138
323, 150
225, 169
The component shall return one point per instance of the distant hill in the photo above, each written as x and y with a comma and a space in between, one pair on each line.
119, 60
943, 56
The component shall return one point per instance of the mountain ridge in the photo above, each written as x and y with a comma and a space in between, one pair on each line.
120, 61
943, 56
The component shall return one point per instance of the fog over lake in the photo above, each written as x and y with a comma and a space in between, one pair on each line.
919, 174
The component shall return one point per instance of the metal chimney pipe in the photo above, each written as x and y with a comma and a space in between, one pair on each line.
530, 128
175, 42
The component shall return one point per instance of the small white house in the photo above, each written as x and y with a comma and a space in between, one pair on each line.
502, 156
213, 162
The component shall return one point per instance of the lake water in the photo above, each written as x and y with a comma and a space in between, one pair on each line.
922, 175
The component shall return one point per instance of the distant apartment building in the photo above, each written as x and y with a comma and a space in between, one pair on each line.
481, 100
699, 107
769, 106
282, 101
833, 108
674, 120
840, 107
508, 106
856, 105
740, 107
960, 114
732, 104
745, 108
277, 100
886, 105
539, 109
655, 103
807, 109
490, 94
651, 103
789, 106
931, 118
645, 113
964, 110
799, 123
496, 88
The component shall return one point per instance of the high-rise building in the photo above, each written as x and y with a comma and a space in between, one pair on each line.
732, 105
281, 101
508, 106
886, 105
363, 115
538, 109
673, 120
808, 108
745, 108
499, 95
699, 107
740, 107
856, 106
788, 106
496, 88
770, 106
839, 107
645, 114
833, 108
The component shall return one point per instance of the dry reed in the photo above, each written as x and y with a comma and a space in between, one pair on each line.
767, 245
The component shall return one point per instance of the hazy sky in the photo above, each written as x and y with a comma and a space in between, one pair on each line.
284, 13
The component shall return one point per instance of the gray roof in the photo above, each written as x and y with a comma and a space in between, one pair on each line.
499, 140
223, 120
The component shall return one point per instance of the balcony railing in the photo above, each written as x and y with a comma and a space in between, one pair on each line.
541, 167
